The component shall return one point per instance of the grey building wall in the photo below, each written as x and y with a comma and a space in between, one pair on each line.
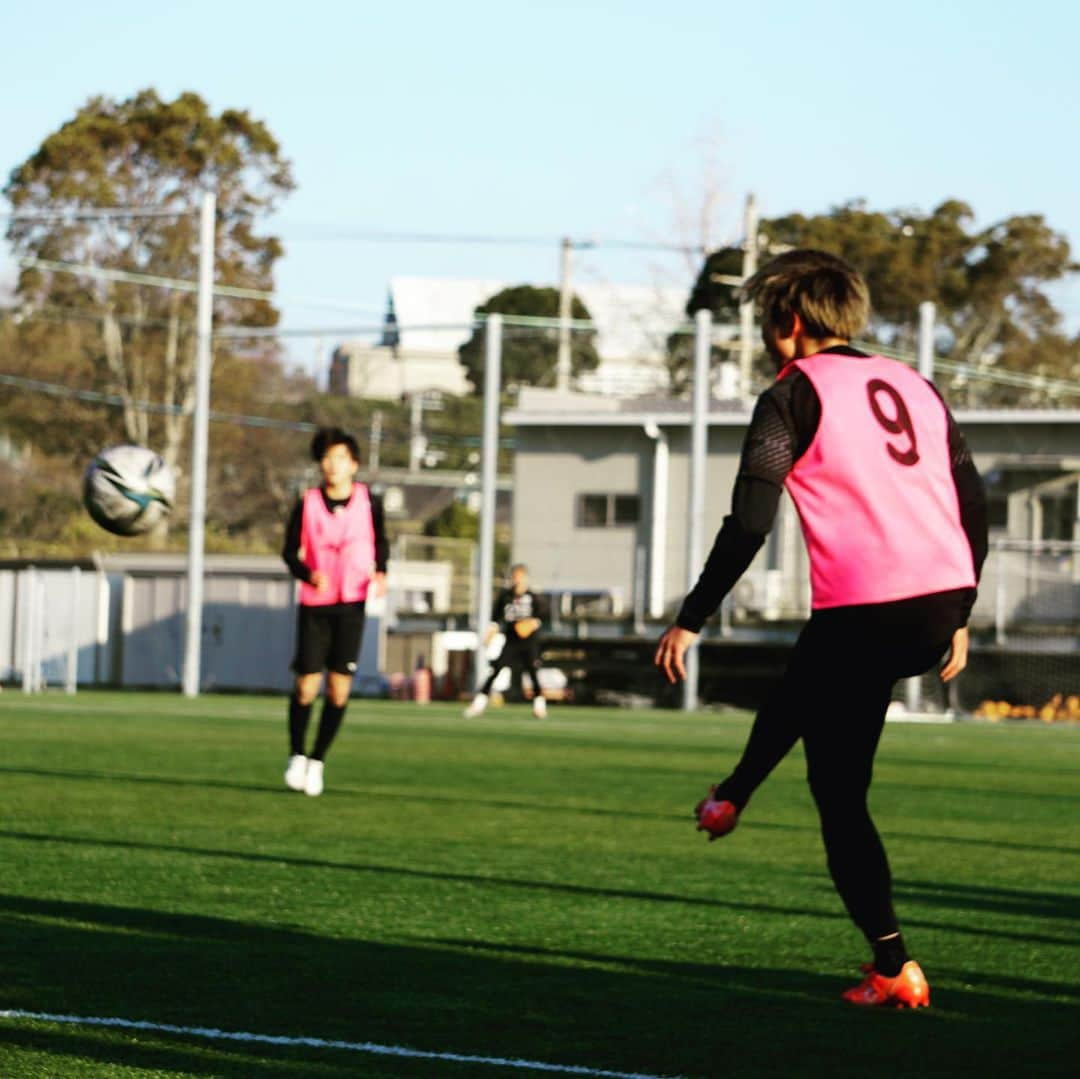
722, 464
589, 448
553, 470
555, 466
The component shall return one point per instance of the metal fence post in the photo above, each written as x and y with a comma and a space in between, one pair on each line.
699, 434
488, 465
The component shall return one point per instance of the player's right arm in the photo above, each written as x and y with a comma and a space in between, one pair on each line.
497, 611
783, 425
290, 550
768, 455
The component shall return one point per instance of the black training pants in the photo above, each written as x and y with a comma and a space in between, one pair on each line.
517, 653
833, 696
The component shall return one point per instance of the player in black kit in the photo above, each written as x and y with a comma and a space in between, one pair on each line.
517, 615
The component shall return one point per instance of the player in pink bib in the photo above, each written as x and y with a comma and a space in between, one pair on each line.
335, 546
894, 518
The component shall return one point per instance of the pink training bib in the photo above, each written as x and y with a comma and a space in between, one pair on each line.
874, 491
341, 545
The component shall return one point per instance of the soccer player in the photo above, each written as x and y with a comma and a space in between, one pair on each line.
894, 517
335, 545
517, 614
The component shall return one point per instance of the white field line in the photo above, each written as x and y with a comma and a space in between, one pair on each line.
323, 1043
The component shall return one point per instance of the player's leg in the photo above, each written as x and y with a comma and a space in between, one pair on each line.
775, 731
480, 700
346, 637
530, 669
312, 644
840, 745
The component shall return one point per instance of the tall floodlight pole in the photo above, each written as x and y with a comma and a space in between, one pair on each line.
746, 310
927, 314
200, 438
562, 363
489, 454
695, 532
913, 696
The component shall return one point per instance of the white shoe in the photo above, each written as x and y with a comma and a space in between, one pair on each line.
296, 773
479, 703
539, 707
314, 784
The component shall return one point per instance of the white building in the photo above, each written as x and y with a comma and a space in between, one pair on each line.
432, 318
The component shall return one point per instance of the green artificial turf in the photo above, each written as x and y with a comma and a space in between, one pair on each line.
515, 888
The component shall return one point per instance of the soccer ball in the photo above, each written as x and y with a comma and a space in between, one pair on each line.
128, 490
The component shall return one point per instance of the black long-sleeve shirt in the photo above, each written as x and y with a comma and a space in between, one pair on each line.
510, 607
783, 425
290, 552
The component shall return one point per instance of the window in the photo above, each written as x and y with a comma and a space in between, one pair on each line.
608, 510
626, 509
592, 512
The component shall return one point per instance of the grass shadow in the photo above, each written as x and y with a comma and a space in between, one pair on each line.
471, 996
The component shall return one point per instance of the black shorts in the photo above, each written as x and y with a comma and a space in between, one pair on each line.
519, 653
328, 638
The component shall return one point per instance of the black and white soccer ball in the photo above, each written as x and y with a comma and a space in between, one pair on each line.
129, 489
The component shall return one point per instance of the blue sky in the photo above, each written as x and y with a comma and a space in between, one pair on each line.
516, 118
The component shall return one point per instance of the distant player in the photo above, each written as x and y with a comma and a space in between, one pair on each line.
894, 517
335, 545
517, 614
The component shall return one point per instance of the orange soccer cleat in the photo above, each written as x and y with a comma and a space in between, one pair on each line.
715, 817
909, 989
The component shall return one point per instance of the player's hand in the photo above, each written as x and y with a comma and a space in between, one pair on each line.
958, 654
379, 582
526, 627
671, 650
320, 581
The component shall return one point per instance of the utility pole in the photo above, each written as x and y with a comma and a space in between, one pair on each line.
375, 442
927, 314
200, 437
562, 365
746, 309
417, 443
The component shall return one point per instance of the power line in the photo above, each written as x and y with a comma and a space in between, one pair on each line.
1008, 378
179, 284
55, 313
105, 213
478, 239
1002, 376
114, 400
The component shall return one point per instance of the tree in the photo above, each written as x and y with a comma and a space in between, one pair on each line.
134, 340
455, 520
713, 290
530, 353
989, 284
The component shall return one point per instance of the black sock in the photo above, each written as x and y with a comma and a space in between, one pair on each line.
299, 714
329, 724
890, 955
726, 792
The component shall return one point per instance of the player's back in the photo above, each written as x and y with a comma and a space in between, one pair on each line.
874, 490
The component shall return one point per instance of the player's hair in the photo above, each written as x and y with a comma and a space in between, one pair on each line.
827, 293
517, 566
326, 437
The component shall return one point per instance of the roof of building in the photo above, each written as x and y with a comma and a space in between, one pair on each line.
435, 314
